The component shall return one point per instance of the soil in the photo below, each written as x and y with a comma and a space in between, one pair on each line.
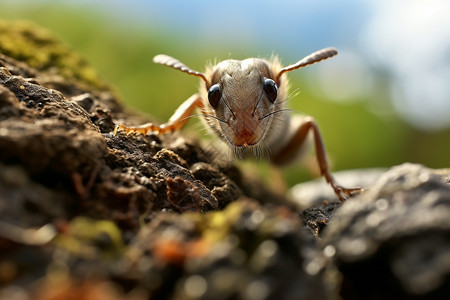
85, 214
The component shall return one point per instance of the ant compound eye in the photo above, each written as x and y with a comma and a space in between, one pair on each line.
214, 95
271, 89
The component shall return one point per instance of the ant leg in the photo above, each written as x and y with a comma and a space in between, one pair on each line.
176, 122
298, 139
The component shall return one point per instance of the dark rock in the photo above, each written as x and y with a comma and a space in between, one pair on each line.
84, 100
220, 185
314, 193
57, 139
316, 219
45, 138
27, 203
393, 242
246, 251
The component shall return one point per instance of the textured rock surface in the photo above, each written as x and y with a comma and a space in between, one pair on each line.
241, 252
315, 192
395, 240
64, 143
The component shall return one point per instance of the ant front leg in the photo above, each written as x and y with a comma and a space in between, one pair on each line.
296, 142
176, 122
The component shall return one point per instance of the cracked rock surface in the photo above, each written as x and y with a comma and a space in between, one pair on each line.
396, 238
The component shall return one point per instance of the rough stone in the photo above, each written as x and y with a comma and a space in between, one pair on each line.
394, 241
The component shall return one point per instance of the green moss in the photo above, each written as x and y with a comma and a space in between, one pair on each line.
90, 238
27, 42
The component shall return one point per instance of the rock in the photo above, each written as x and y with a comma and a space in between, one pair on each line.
317, 201
394, 241
317, 218
43, 132
313, 193
29, 203
246, 251
62, 141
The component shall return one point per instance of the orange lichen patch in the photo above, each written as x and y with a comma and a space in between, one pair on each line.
176, 252
170, 250
198, 248
70, 289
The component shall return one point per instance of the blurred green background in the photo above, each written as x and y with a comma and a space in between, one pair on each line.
354, 96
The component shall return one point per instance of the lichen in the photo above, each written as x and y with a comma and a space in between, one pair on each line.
40, 49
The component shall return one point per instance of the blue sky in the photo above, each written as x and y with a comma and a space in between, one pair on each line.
287, 26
